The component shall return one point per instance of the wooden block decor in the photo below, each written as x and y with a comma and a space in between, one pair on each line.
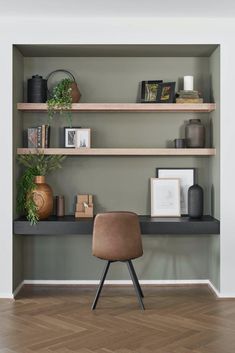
84, 206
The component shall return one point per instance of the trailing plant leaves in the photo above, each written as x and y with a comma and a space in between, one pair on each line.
61, 100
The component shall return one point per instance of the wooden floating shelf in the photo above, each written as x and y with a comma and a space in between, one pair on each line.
149, 225
125, 107
121, 151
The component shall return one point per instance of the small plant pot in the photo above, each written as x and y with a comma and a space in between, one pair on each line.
43, 197
75, 93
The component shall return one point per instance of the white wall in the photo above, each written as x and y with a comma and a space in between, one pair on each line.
114, 31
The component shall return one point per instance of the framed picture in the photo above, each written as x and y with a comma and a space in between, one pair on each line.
69, 136
186, 177
166, 92
165, 197
149, 91
83, 138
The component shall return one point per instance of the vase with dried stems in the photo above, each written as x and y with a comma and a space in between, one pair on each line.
35, 196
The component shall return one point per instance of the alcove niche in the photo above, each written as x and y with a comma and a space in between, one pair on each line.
112, 74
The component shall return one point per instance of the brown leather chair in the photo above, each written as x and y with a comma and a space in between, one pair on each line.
117, 237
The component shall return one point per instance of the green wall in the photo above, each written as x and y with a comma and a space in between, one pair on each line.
214, 166
18, 78
120, 183
69, 257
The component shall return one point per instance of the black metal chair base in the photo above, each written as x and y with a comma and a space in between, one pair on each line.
134, 278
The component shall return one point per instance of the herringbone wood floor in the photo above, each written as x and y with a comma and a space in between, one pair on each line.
59, 320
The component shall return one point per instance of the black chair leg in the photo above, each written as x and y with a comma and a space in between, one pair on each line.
100, 285
135, 283
136, 278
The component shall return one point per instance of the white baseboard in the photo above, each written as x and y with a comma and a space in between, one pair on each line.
114, 282
123, 282
18, 288
214, 289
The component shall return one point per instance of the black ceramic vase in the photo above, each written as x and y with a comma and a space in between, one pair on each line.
37, 89
195, 201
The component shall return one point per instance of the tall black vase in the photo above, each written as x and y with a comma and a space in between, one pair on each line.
195, 201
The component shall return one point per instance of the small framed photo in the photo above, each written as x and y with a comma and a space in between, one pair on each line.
166, 92
83, 138
186, 177
149, 91
165, 197
69, 136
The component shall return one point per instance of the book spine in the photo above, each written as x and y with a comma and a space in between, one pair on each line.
39, 135
43, 135
189, 100
47, 136
32, 137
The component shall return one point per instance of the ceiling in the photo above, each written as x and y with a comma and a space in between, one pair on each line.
117, 50
116, 8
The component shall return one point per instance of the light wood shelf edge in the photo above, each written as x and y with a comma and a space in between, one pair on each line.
124, 107
121, 151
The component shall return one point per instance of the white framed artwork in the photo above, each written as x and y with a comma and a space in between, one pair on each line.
187, 179
165, 197
83, 138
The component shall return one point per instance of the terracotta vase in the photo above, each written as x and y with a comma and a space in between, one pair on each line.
43, 197
76, 95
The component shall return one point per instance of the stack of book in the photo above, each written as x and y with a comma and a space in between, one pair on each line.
39, 137
189, 97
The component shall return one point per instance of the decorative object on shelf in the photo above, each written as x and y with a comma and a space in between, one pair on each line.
83, 138
37, 89
188, 97
34, 197
84, 206
39, 137
195, 201
180, 143
188, 83
63, 95
70, 136
149, 91
186, 177
42, 196
166, 92
195, 134
60, 206
165, 197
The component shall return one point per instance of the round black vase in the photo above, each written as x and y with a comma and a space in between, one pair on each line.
37, 89
195, 201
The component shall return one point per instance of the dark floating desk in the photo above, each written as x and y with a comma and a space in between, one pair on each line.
149, 225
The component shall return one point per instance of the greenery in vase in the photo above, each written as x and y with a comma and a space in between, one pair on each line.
61, 100
35, 164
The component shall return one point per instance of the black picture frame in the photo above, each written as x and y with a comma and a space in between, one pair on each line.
166, 92
183, 188
149, 95
68, 143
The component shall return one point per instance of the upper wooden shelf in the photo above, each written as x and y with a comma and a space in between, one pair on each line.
124, 107
121, 151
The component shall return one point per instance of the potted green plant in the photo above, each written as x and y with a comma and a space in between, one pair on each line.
35, 197
63, 95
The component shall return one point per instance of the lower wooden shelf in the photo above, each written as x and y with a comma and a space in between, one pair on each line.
149, 225
121, 151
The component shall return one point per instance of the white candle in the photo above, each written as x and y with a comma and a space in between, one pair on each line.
188, 83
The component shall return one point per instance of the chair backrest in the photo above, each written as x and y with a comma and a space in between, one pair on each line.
117, 236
